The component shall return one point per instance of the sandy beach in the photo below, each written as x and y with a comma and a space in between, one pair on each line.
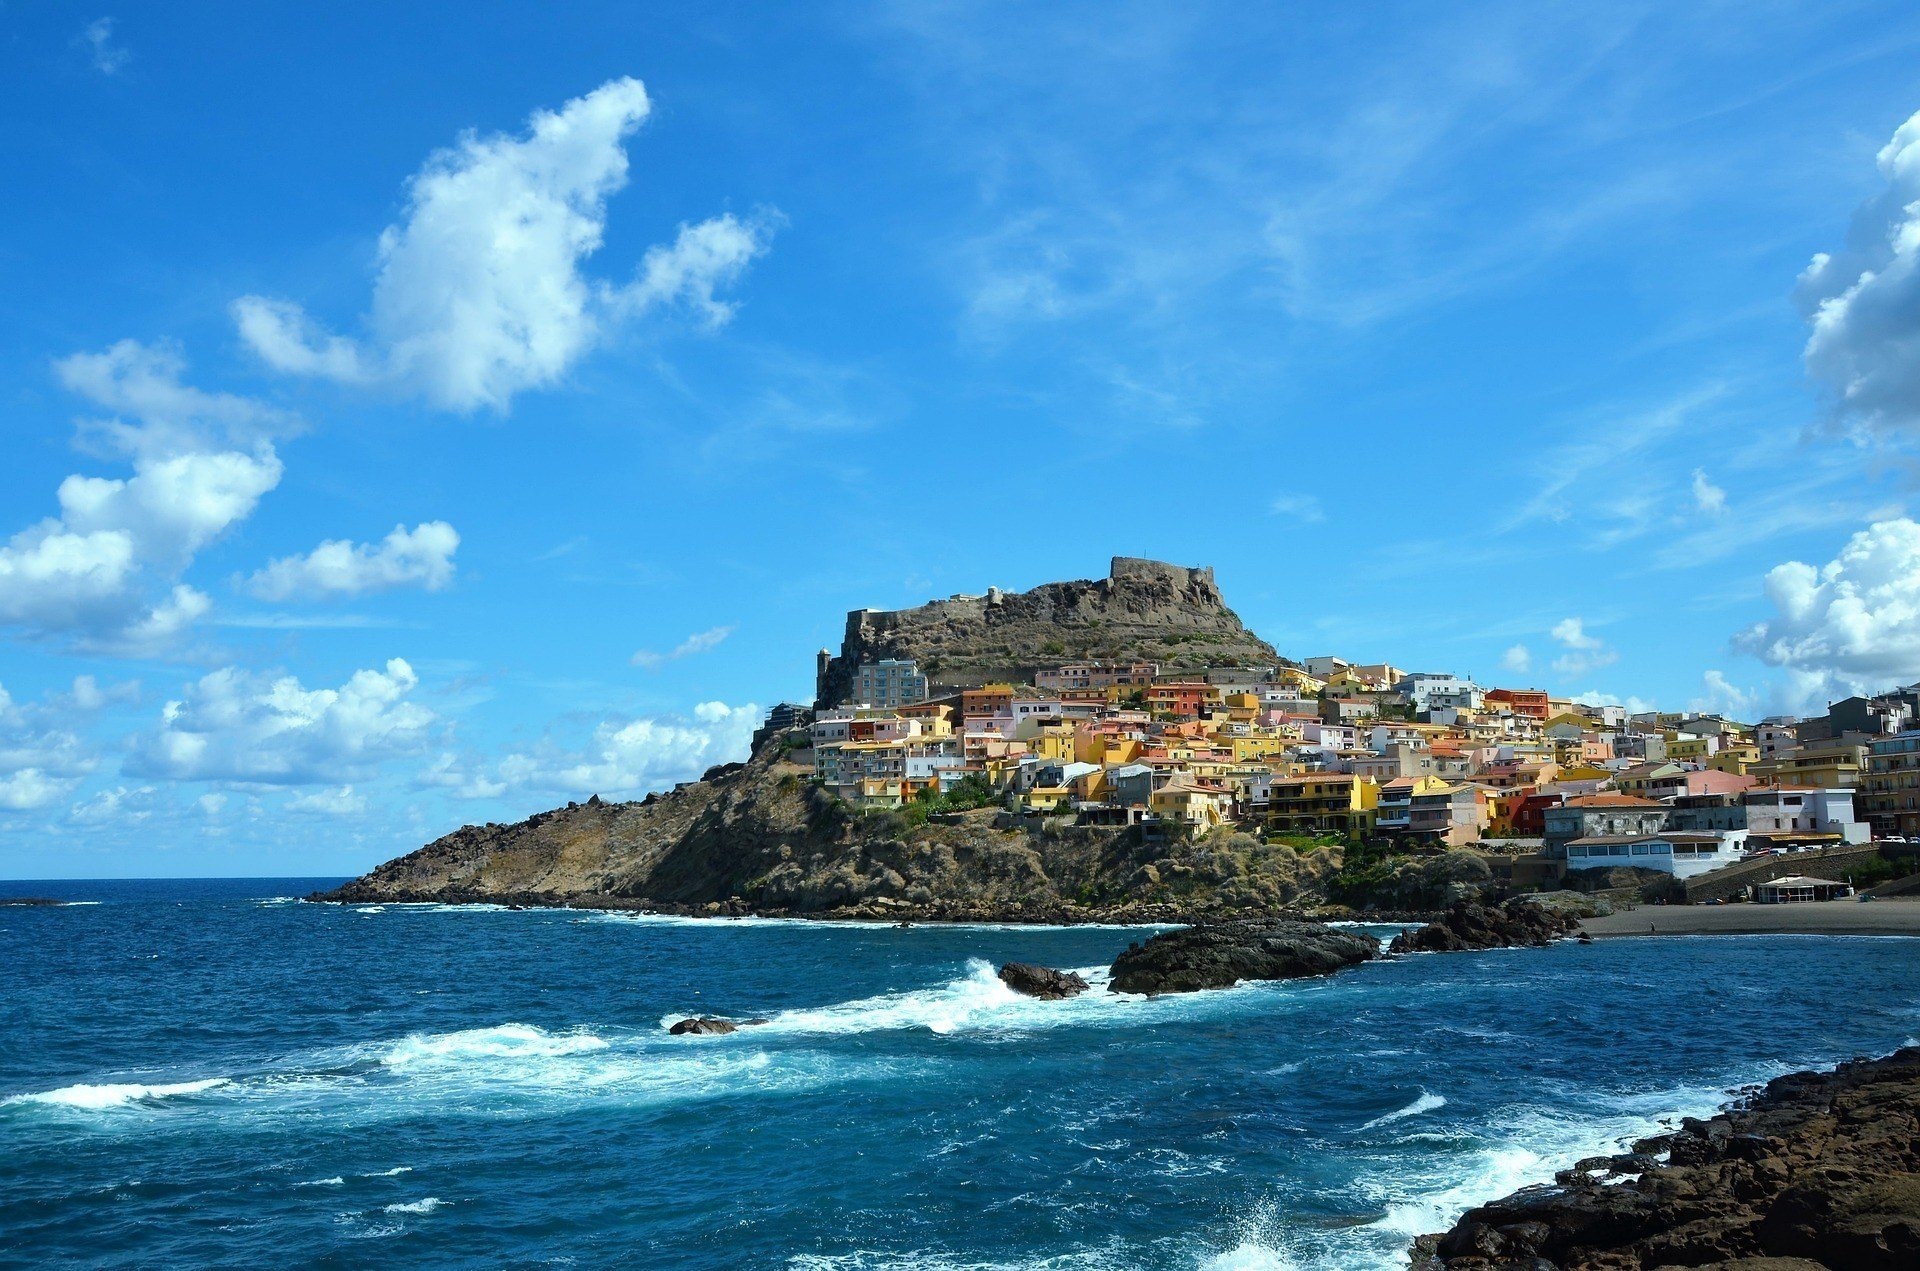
1893, 917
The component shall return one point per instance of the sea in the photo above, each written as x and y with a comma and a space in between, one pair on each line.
220, 1074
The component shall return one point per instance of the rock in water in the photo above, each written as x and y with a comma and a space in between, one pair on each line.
1215, 955
1819, 1170
1470, 925
1040, 981
708, 1027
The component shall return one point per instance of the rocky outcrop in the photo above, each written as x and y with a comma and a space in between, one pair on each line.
762, 840
1220, 954
1041, 982
707, 1026
1143, 609
1818, 1170
1471, 925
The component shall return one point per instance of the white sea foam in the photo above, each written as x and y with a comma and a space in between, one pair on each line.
504, 1041
425, 1206
1250, 1255
1424, 1104
335, 1181
122, 1095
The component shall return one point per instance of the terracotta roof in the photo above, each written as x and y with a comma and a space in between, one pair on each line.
1612, 801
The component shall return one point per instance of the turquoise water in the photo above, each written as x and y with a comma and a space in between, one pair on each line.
211, 1074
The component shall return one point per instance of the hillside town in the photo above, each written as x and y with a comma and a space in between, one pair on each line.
1368, 753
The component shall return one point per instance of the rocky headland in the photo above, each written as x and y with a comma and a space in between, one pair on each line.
759, 839
1142, 610
1817, 1171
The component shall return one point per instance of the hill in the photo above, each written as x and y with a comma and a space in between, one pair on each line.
1143, 610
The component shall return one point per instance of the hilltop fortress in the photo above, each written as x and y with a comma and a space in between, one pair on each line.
1144, 610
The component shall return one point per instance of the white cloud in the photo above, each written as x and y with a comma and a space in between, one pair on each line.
97, 38
1707, 496
1572, 632
698, 642
1864, 301
421, 556
104, 571
1851, 625
169, 417
1585, 652
1302, 507
1633, 705
449, 773
1723, 697
341, 801
30, 788
639, 754
479, 293
235, 725
1517, 658
88, 694
122, 805
40, 760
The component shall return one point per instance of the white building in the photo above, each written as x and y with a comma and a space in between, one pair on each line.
1798, 811
1682, 854
1428, 691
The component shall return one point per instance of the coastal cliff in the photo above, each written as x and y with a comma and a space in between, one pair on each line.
1143, 610
758, 838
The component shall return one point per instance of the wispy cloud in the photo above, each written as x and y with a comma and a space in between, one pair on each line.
698, 642
108, 57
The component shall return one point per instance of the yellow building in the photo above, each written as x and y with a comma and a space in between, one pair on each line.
1322, 803
1735, 757
1191, 800
1047, 799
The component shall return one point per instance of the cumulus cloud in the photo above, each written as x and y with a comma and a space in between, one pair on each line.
698, 642
1707, 496
479, 292
417, 557
1863, 301
449, 773
1585, 652
122, 805
1517, 658
40, 760
1723, 697
340, 801
1850, 625
235, 725
104, 570
639, 754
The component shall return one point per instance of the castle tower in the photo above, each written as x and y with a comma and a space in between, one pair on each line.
820, 661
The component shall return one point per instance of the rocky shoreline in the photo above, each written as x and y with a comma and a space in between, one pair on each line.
1128, 914
1815, 1171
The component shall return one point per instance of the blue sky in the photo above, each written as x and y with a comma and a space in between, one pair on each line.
415, 422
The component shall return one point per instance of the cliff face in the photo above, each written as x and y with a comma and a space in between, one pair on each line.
758, 839
1142, 610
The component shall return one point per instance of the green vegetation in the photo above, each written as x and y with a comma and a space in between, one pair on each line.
1876, 871
1364, 872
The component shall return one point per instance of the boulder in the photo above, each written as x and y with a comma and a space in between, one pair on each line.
1468, 925
1040, 981
705, 1026
1216, 955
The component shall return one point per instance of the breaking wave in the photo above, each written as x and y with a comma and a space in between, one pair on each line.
119, 1095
